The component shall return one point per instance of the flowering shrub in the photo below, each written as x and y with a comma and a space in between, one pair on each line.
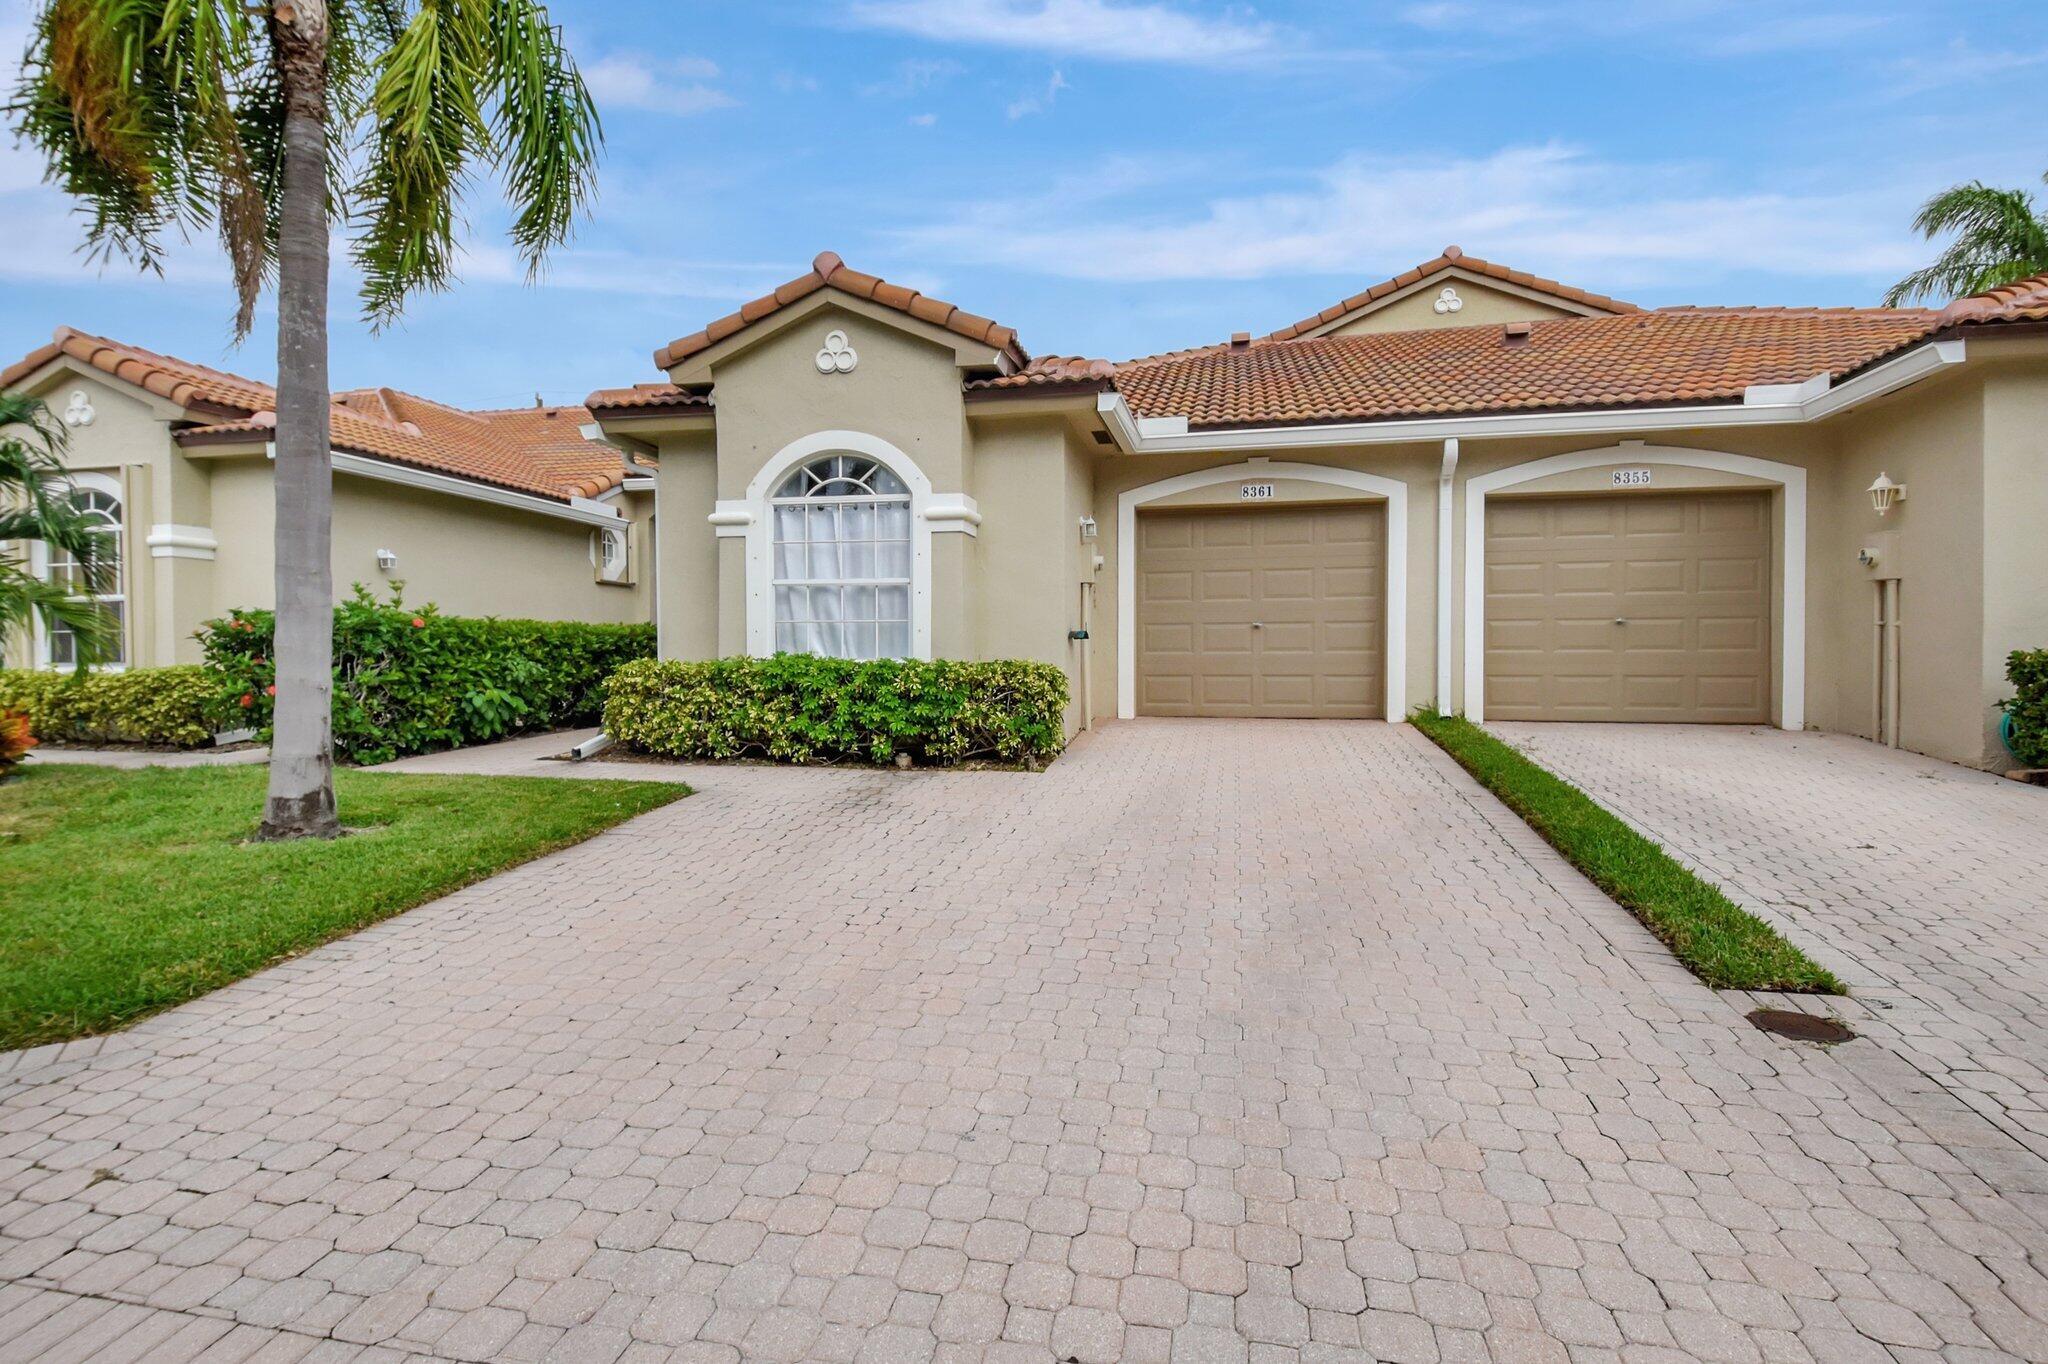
15, 740
411, 680
164, 707
799, 709
2027, 670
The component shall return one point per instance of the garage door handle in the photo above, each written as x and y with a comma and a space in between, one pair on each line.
1258, 625
1620, 620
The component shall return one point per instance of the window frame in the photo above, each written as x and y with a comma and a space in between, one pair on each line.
107, 486
817, 498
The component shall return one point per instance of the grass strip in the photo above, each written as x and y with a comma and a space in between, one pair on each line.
1720, 942
128, 892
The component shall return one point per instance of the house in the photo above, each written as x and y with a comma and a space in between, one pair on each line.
1466, 486
511, 513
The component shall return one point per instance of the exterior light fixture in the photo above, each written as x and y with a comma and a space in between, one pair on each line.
1087, 528
387, 559
1884, 493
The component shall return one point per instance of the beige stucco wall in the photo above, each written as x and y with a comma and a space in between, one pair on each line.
1416, 309
2015, 491
469, 558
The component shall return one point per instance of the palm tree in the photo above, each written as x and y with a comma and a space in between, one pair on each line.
2000, 237
36, 509
275, 122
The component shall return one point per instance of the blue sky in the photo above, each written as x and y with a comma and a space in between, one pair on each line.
1116, 177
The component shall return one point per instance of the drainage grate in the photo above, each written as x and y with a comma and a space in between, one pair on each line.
1801, 1027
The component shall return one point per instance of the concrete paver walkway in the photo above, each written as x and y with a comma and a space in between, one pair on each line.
1922, 884
1217, 1041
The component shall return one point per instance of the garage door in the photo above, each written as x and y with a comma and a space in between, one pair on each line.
1273, 611
1645, 608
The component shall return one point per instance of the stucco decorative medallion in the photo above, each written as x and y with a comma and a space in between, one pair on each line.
837, 355
79, 411
1448, 301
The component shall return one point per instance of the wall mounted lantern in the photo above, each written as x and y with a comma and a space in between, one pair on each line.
1088, 528
387, 559
1884, 493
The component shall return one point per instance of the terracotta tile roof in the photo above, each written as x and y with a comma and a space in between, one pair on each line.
1452, 256
204, 391
1669, 357
830, 271
536, 450
647, 399
2023, 300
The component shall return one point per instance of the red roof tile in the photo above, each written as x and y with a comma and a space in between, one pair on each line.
830, 271
2023, 300
647, 399
533, 450
1452, 257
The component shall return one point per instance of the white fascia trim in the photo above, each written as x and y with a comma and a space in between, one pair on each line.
955, 512
1791, 532
171, 541
759, 524
636, 483
581, 509
1446, 491
1875, 382
1393, 490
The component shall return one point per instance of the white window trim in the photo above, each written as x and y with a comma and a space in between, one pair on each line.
1392, 490
39, 564
750, 517
1791, 534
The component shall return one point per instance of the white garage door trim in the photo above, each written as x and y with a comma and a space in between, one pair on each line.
1791, 532
1396, 495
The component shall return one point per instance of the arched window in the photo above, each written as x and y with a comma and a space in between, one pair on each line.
842, 560
97, 500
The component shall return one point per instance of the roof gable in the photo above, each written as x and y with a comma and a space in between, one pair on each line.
828, 271
1454, 264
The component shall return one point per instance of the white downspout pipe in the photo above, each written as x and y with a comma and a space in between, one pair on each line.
1443, 575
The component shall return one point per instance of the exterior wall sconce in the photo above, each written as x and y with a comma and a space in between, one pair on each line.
1088, 531
1884, 493
387, 559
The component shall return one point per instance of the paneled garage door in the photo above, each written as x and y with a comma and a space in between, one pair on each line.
1644, 608
1274, 611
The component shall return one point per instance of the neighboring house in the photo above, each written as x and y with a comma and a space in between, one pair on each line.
508, 513
1466, 486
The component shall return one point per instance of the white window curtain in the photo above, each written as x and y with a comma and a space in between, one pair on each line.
102, 507
842, 560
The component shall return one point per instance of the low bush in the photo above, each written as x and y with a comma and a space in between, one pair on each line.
2027, 670
163, 707
15, 741
411, 680
799, 709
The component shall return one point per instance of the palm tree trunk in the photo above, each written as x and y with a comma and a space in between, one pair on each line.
301, 803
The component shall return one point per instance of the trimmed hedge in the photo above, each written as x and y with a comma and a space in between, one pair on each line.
799, 709
411, 680
2027, 670
165, 707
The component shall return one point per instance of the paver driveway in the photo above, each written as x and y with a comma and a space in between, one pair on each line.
1923, 885
1223, 1041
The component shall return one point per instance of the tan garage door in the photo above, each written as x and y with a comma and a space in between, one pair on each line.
1644, 608
1273, 611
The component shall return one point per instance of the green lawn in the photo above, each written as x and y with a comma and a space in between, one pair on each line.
127, 892
1724, 945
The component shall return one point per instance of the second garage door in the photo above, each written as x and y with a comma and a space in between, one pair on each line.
1273, 611
1643, 608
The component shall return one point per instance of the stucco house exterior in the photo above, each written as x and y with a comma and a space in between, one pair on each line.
511, 513
1466, 486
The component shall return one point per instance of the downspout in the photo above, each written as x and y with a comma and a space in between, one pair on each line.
1443, 575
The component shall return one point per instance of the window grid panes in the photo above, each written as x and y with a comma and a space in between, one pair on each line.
104, 509
842, 560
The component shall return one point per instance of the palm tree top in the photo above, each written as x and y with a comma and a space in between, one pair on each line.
1999, 237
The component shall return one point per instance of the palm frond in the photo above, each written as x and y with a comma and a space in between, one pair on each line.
35, 506
1998, 237
427, 104
548, 134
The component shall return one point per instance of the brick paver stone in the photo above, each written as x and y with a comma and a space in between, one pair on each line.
1216, 1041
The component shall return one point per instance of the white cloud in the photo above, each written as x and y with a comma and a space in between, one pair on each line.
1721, 28
923, 120
670, 86
1099, 29
1545, 208
913, 77
1040, 102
